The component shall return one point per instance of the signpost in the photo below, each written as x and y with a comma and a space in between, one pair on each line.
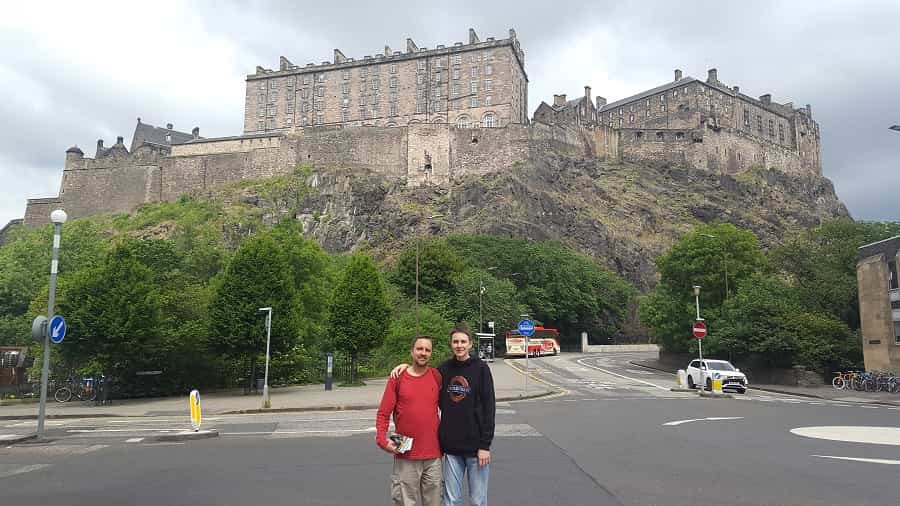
700, 332
526, 329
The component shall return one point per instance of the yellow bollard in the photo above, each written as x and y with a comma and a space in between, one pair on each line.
717, 385
196, 417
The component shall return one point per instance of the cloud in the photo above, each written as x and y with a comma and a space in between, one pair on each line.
73, 72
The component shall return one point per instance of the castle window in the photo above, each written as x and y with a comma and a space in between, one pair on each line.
488, 84
489, 120
320, 91
273, 110
261, 98
375, 83
420, 107
474, 72
648, 113
473, 87
304, 93
304, 107
304, 121
362, 100
420, 78
321, 77
393, 82
474, 57
393, 68
436, 62
662, 99
363, 72
455, 73
436, 107
456, 59
780, 132
487, 100
289, 121
270, 124
345, 115
345, 88
261, 111
168, 137
260, 125
679, 136
489, 55
772, 128
346, 102
290, 109
747, 117
759, 125
660, 136
631, 118
319, 105
320, 118
437, 77
345, 74
273, 84
394, 96
420, 92
488, 70
638, 135
436, 93
474, 102
262, 86
455, 89
421, 64
631, 108
306, 79
621, 111
674, 93
273, 97
394, 109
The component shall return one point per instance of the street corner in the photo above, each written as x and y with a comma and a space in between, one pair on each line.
187, 435
11, 439
682, 390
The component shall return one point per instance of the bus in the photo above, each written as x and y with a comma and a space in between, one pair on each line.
543, 342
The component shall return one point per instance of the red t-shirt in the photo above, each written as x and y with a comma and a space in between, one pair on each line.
415, 413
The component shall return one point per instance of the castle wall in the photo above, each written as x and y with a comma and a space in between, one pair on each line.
107, 185
382, 150
232, 145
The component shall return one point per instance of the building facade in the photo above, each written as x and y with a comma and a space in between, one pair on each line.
879, 304
482, 83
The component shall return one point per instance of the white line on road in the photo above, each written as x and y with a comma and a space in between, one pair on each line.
856, 459
711, 418
23, 469
122, 430
620, 376
134, 440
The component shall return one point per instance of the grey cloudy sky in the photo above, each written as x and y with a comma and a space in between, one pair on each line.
73, 72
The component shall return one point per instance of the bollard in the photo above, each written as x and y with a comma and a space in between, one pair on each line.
717, 385
682, 378
329, 368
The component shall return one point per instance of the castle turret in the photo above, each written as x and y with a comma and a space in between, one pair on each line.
74, 154
712, 76
677, 75
100, 149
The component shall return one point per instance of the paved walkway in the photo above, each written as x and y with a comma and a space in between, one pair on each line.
508, 385
822, 392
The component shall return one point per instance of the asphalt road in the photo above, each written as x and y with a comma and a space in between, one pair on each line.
618, 436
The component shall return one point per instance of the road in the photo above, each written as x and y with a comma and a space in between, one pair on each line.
618, 436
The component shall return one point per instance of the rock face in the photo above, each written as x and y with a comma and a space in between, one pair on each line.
623, 214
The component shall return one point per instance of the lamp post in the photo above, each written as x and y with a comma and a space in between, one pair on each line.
58, 217
697, 300
480, 299
266, 403
418, 240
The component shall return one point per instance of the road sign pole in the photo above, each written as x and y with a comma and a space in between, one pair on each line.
58, 217
266, 403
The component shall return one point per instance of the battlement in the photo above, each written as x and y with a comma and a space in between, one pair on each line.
413, 51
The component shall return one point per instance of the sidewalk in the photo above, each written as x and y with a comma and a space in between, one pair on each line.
822, 392
508, 385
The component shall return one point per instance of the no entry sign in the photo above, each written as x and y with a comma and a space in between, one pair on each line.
699, 330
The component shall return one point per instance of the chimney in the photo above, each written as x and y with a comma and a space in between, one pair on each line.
411, 46
339, 56
559, 100
73, 154
587, 94
260, 70
120, 140
284, 63
473, 37
387, 50
766, 99
712, 76
168, 126
196, 133
737, 89
99, 147
677, 75
512, 33
600, 102
809, 111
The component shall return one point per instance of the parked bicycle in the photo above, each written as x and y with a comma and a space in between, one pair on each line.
83, 390
873, 381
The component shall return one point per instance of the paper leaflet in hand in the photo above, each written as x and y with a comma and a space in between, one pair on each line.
403, 443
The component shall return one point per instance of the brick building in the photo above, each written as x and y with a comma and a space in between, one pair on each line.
482, 83
879, 304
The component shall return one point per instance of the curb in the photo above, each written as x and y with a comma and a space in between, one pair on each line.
677, 389
4, 440
67, 416
187, 435
711, 395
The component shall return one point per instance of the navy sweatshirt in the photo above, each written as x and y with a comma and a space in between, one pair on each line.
467, 407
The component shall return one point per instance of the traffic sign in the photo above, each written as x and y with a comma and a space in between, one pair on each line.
699, 330
57, 329
526, 328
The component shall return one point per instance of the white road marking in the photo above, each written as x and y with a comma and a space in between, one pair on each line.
23, 469
870, 407
711, 418
620, 376
857, 459
852, 434
80, 431
134, 440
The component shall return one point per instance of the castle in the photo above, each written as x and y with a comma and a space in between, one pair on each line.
431, 116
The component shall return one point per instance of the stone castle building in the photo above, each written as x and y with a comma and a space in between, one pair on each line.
432, 116
482, 82
879, 304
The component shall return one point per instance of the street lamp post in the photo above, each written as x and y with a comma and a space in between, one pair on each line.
418, 240
266, 403
58, 217
699, 341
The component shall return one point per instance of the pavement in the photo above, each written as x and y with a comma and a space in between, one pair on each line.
509, 385
820, 392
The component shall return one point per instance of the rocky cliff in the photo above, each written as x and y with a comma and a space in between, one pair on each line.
623, 214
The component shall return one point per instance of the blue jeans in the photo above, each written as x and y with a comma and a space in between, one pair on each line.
454, 469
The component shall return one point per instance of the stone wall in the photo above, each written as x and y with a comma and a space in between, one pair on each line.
233, 145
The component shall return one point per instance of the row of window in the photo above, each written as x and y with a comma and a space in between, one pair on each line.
660, 136
319, 91
488, 120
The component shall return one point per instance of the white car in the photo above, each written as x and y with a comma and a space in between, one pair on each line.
702, 372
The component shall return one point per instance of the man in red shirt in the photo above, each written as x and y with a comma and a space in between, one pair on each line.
412, 398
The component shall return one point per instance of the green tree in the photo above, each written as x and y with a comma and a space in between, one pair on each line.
702, 258
257, 276
360, 314
438, 264
499, 302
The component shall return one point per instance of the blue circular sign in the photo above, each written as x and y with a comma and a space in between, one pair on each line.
526, 328
57, 329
